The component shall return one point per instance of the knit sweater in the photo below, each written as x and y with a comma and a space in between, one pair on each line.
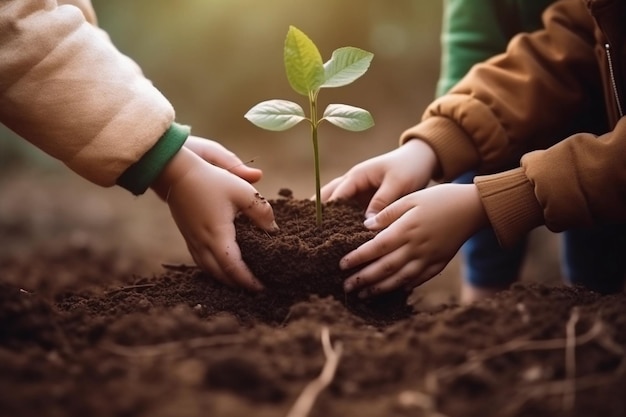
66, 89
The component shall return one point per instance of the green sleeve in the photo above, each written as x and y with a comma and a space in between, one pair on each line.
138, 177
475, 30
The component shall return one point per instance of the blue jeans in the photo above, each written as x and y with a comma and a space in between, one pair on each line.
594, 258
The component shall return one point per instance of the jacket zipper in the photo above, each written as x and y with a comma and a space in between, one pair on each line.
613, 83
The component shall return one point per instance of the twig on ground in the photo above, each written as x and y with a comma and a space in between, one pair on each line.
416, 399
173, 347
129, 287
303, 405
286, 319
477, 359
582, 383
178, 267
562, 387
566, 387
523, 312
569, 396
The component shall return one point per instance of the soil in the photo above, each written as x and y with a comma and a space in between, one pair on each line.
82, 333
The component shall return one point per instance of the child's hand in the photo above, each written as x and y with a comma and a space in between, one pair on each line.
385, 178
422, 233
217, 154
204, 200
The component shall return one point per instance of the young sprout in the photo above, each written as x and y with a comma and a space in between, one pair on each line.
307, 75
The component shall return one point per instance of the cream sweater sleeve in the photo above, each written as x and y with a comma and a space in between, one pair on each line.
65, 88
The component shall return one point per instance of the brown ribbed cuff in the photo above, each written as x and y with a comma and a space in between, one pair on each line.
455, 151
511, 205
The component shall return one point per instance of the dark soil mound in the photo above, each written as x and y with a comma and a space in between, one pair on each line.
303, 258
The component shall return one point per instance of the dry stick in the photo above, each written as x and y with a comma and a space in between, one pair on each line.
178, 267
582, 383
569, 396
512, 346
562, 387
172, 347
130, 287
304, 403
567, 387
286, 319
418, 399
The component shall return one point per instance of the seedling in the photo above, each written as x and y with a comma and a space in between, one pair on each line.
308, 74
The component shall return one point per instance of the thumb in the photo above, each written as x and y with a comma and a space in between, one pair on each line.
384, 196
240, 169
260, 211
217, 154
388, 215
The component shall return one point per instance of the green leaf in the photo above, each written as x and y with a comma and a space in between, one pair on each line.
347, 117
345, 66
303, 62
276, 115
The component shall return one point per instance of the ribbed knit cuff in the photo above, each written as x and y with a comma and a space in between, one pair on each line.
511, 205
138, 177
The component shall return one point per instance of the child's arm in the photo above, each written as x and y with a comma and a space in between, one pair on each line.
472, 31
66, 89
70, 92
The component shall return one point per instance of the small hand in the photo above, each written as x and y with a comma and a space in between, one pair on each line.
381, 180
204, 200
216, 154
420, 234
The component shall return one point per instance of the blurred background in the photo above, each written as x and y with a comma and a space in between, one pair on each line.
214, 59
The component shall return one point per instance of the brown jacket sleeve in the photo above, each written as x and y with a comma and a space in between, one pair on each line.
545, 88
68, 90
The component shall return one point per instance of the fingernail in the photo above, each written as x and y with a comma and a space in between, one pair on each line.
343, 264
348, 286
274, 226
258, 286
369, 292
369, 214
369, 222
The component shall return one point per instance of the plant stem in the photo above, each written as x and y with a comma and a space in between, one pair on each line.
314, 124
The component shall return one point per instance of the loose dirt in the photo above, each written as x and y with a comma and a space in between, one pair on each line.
84, 333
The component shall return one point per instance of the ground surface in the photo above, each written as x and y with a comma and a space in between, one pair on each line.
92, 325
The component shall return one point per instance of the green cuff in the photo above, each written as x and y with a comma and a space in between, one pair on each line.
138, 177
